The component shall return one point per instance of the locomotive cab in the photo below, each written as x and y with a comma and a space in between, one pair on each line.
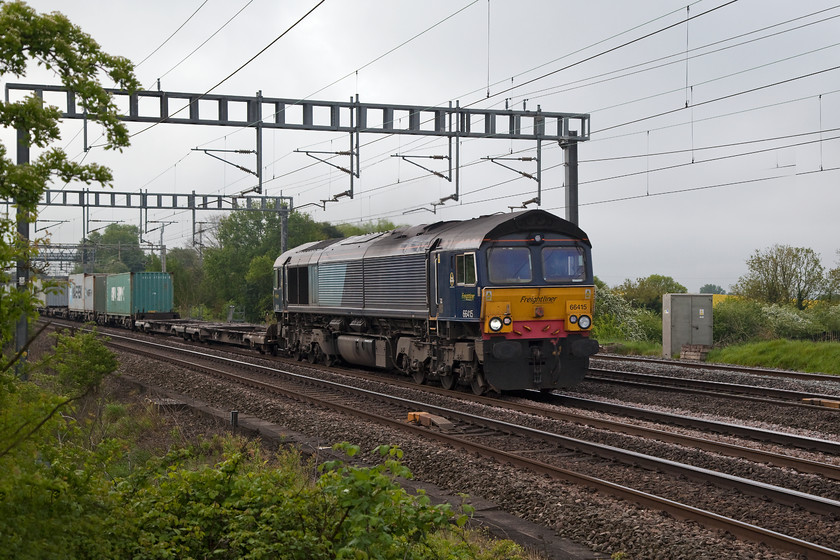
536, 311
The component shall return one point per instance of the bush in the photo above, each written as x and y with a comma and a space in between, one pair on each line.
790, 323
614, 318
650, 325
828, 316
738, 320
244, 507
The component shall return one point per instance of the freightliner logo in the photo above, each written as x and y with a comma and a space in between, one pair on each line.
537, 299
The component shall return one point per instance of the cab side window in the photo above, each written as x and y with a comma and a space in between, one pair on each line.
298, 285
465, 269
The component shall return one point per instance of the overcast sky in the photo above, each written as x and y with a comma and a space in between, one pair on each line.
709, 140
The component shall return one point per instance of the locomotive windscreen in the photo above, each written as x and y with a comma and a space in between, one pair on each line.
509, 265
563, 264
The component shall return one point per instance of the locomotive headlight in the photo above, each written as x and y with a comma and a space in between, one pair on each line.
495, 324
573, 319
584, 322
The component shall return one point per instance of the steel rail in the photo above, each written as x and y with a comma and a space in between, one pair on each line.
759, 434
721, 367
716, 388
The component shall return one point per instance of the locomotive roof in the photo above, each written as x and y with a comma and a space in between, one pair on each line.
460, 235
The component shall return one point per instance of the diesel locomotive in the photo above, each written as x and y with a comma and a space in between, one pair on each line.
500, 302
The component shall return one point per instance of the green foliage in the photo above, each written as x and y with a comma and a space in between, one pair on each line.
53, 42
827, 316
712, 289
56, 500
635, 348
349, 230
831, 289
614, 318
650, 325
473, 545
239, 270
78, 364
14, 303
737, 320
787, 322
81, 361
259, 282
376, 517
187, 277
244, 507
782, 275
116, 250
647, 292
55, 489
798, 355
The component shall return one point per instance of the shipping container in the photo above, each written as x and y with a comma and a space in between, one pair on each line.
81, 293
55, 296
139, 294
76, 293
96, 284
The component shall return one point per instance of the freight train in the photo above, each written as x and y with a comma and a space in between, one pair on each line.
500, 302
110, 299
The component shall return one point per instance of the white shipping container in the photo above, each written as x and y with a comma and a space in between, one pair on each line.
75, 292
90, 302
81, 294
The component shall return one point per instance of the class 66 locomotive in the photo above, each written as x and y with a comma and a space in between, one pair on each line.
501, 302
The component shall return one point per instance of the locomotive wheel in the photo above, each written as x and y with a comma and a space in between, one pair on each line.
449, 382
478, 384
419, 376
298, 354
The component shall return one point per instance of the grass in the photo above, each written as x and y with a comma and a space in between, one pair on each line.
633, 348
812, 357
796, 355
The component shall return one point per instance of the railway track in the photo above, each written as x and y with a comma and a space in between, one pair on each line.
518, 445
527, 406
715, 388
646, 360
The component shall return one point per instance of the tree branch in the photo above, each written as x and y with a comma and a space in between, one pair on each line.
25, 348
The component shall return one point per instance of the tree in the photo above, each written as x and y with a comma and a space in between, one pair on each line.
117, 249
239, 266
349, 230
832, 281
712, 289
187, 276
647, 292
53, 42
782, 275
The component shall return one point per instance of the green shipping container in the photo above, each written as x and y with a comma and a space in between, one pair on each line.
139, 293
100, 292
